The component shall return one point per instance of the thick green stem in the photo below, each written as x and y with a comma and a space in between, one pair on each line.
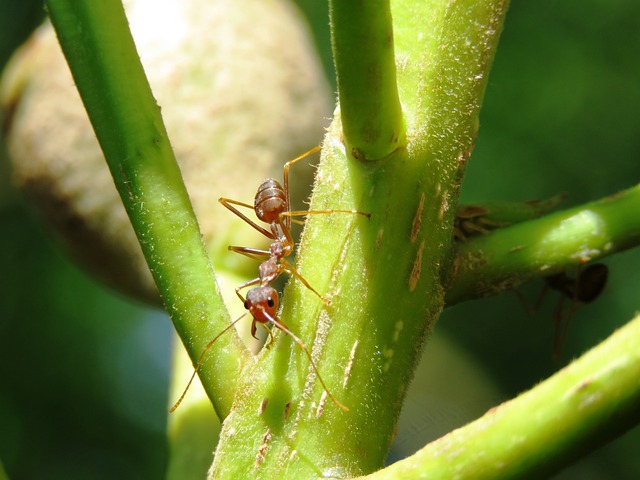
383, 276
96, 40
579, 409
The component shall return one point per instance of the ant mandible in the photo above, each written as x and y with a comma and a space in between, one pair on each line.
272, 205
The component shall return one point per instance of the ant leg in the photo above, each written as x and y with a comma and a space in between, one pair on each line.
541, 295
252, 253
255, 281
285, 176
289, 268
565, 325
278, 324
523, 301
298, 158
200, 360
560, 330
531, 311
285, 225
302, 213
229, 204
253, 330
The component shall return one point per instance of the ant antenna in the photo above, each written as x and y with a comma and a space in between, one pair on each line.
201, 359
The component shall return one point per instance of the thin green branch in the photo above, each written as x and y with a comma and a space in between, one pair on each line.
507, 257
96, 40
362, 38
578, 410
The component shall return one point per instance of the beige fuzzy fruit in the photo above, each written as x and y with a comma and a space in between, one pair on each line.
241, 92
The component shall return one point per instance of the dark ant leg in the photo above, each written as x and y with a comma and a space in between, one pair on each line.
562, 325
561, 328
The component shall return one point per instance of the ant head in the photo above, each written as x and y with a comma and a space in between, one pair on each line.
262, 303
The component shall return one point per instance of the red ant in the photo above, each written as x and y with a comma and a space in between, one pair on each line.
585, 287
272, 205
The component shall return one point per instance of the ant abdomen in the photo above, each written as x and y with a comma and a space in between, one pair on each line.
270, 201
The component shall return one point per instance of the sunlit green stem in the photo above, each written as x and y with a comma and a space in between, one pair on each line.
96, 40
507, 257
579, 409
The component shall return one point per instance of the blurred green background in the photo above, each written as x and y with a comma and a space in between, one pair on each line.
84, 373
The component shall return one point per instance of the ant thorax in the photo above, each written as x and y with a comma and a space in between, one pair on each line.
269, 270
281, 247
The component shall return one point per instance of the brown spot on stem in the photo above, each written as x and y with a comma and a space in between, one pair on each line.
417, 268
323, 400
263, 448
417, 220
379, 238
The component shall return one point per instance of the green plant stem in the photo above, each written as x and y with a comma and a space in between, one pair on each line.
362, 39
507, 257
97, 43
383, 275
582, 407
193, 430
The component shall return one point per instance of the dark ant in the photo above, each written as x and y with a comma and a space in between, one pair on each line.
585, 287
471, 220
272, 205
482, 218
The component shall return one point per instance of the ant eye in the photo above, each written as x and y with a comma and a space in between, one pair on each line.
246, 304
271, 302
